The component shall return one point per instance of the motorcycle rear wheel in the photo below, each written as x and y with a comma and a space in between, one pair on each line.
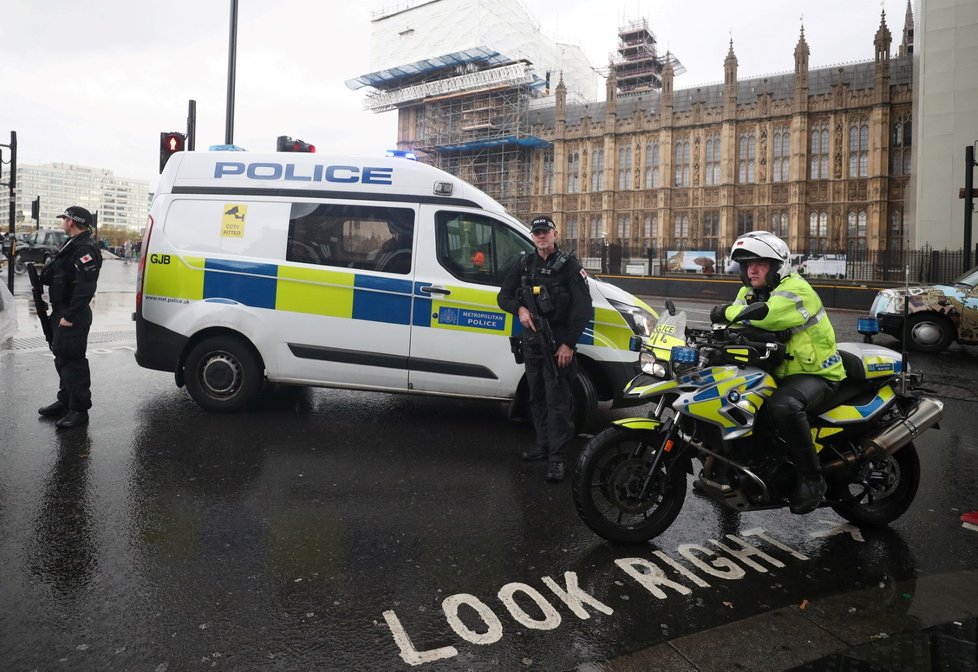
607, 481
893, 479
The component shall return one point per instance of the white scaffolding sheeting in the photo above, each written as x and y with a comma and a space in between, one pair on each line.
441, 27
508, 75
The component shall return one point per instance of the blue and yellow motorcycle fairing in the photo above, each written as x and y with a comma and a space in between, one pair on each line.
708, 388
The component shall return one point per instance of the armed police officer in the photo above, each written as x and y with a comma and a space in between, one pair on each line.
812, 368
548, 292
72, 276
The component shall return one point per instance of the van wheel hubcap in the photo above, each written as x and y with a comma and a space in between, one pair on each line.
221, 374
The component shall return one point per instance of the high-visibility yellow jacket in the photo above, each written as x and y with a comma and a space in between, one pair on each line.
794, 307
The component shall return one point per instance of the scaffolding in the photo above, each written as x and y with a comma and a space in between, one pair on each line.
482, 136
637, 65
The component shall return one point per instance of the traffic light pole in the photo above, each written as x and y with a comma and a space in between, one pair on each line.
969, 203
232, 66
12, 184
191, 125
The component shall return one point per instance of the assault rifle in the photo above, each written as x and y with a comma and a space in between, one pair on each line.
537, 300
37, 289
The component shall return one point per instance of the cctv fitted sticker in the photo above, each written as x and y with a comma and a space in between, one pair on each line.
233, 220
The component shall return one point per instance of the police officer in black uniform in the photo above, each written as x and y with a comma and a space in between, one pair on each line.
568, 311
72, 276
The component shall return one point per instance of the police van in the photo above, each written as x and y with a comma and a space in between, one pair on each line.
371, 274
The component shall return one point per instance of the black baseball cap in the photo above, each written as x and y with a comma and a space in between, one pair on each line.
542, 224
78, 215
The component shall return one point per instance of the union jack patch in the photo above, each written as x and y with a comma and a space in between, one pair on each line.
87, 258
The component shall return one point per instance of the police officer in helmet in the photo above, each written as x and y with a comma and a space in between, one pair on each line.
567, 310
812, 368
72, 276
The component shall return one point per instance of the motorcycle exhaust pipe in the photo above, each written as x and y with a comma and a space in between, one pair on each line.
896, 435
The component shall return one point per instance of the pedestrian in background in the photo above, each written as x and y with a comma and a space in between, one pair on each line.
72, 276
550, 388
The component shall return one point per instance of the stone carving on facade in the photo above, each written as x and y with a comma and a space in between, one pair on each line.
712, 196
696, 161
838, 150
745, 195
779, 194
762, 156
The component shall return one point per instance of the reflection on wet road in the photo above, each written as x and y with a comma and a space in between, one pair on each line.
349, 530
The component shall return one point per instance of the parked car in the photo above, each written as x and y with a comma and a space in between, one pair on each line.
38, 247
938, 314
20, 236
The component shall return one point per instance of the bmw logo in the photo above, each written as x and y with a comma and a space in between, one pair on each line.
733, 396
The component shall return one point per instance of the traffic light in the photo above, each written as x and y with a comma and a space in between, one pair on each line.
36, 209
287, 144
171, 142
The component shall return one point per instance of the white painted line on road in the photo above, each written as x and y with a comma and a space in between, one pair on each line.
485, 627
835, 529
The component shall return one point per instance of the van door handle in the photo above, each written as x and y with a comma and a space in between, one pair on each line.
430, 289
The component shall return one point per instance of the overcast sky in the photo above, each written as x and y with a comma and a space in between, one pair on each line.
93, 83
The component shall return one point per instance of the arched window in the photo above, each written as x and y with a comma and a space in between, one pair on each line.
782, 154
656, 180
818, 231
682, 162
746, 149
856, 230
680, 231
858, 149
900, 145
713, 160
819, 152
597, 170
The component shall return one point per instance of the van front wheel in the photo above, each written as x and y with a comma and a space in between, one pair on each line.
223, 374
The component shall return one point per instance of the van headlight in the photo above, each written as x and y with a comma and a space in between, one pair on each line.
639, 320
652, 366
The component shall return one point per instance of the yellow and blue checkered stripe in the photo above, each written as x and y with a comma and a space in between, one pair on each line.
349, 295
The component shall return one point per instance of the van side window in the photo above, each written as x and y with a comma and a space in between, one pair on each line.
476, 248
367, 237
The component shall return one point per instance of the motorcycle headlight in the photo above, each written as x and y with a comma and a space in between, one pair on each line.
639, 320
652, 366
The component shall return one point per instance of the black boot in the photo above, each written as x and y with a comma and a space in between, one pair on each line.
556, 472
55, 410
810, 487
807, 494
72, 419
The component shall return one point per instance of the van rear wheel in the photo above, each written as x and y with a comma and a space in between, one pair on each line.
223, 374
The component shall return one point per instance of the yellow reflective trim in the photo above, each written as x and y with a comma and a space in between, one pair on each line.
653, 388
638, 423
180, 278
610, 329
819, 433
476, 297
315, 291
709, 409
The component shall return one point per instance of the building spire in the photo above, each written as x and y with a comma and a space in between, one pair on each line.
906, 44
883, 40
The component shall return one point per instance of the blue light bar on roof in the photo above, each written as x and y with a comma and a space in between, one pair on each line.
401, 154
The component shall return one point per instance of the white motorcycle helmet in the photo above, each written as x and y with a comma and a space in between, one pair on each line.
762, 245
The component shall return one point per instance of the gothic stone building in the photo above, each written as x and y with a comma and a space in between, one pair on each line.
821, 158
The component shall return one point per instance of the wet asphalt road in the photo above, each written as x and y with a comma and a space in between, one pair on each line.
338, 530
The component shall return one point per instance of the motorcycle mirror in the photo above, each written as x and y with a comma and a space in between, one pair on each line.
670, 307
755, 311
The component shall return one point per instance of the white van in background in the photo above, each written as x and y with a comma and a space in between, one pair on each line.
373, 274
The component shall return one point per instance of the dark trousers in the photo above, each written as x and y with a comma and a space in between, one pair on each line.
550, 402
69, 345
787, 410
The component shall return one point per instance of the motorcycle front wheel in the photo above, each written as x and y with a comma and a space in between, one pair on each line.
889, 489
609, 480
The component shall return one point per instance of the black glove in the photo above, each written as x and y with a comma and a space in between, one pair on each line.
718, 314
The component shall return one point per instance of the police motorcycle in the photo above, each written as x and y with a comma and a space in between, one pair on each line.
708, 387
